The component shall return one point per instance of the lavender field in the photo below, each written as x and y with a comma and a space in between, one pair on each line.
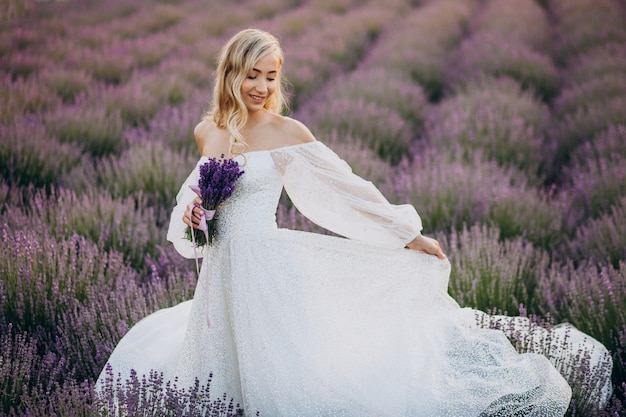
502, 121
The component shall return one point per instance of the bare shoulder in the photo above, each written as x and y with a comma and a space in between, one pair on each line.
295, 131
203, 130
209, 138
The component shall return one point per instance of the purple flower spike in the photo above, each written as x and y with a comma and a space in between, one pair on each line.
216, 184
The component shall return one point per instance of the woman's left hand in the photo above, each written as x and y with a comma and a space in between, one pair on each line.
428, 245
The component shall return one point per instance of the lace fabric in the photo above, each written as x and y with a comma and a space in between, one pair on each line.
323, 187
311, 325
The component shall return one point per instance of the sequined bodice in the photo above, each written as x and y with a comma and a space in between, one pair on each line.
252, 207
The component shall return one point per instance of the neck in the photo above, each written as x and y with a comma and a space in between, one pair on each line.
256, 118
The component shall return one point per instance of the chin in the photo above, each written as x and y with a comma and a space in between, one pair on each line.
255, 108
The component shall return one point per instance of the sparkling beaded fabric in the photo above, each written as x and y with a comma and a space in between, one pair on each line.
311, 325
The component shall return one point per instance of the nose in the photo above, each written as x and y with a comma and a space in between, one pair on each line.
261, 86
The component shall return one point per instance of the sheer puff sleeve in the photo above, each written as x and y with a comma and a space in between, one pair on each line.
176, 230
324, 189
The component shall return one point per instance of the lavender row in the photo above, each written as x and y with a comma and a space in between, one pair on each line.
96, 115
507, 39
590, 47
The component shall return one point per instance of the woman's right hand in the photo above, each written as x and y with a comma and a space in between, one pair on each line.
190, 219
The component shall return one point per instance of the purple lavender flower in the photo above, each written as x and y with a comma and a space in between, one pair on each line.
215, 185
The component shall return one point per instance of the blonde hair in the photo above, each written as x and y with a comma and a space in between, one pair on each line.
236, 59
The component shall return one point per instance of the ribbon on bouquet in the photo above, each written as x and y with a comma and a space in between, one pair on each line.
202, 225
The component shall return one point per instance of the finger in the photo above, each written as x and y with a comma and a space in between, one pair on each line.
197, 213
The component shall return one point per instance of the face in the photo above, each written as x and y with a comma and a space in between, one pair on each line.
260, 83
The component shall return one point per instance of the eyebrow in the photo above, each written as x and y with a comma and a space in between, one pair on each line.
259, 71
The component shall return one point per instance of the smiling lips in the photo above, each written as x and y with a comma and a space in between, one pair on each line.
257, 98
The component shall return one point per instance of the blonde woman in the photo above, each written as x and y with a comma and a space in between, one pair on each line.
303, 324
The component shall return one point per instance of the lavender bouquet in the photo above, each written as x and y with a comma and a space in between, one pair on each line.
216, 184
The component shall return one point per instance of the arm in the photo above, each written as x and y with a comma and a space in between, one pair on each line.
181, 216
324, 189
180, 212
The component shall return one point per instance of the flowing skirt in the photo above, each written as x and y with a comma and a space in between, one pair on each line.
308, 325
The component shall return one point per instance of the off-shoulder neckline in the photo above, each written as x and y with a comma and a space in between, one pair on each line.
280, 148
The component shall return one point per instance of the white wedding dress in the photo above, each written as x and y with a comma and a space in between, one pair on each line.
303, 324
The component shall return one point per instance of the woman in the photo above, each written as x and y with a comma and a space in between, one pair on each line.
303, 324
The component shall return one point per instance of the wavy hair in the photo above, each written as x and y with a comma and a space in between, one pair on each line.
236, 60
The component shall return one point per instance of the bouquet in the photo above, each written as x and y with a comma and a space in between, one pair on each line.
216, 184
